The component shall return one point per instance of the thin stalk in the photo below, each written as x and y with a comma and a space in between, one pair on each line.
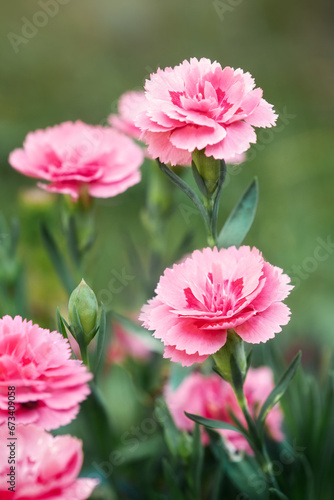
259, 448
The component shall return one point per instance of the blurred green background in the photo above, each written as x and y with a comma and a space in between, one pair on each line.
90, 52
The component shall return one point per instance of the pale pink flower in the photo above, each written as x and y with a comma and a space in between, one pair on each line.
200, 105
212, 291
130, 105
75, 157
124, 344
48, 384
212, 397
46, 467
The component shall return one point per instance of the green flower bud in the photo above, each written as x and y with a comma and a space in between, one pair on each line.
208, 168
231, 360
83, 306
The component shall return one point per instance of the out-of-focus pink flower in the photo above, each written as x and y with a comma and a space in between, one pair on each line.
198, 300
48, 384
212, 397
46, 467
125, 345
75, 157
200, 105
130, 105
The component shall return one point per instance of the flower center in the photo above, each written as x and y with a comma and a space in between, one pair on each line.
219, 297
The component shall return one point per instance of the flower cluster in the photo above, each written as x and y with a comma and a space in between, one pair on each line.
207, 304
48, 389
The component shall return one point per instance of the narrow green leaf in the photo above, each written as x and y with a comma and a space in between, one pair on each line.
60, 325
199, 180
94, 410
215, 210
171, 480
186, 189
87, 245
172, 434
71, 234
197, 461
218, 482
241, 218
79, 336
57, 260
237, 422
277, 392
215, 424
101, 342
248, 360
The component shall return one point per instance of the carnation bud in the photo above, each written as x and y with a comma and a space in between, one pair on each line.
208, 169
231, 360
83, 306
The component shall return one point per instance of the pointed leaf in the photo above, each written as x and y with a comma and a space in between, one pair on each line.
199, 180
278, 392
240, 220
185, 188
215, 210
248, 361
197, 461
172, 434
171, 480
57, 260
72, 240
60, 325
215, 424
79, 336
101, 342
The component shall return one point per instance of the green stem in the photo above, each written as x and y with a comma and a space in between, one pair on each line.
259, 449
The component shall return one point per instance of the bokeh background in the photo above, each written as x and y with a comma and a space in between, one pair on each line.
90, 52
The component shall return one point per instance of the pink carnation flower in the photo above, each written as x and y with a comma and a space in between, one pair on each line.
76, 156
130, 105
212, 397
125, 344
48, 384
199, 105
212, 291
46, 467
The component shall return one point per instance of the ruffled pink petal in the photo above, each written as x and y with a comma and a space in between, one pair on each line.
264, 325
239, 136
262, 116
182, 357
191, 137
159, 146
101, 190
186, 337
